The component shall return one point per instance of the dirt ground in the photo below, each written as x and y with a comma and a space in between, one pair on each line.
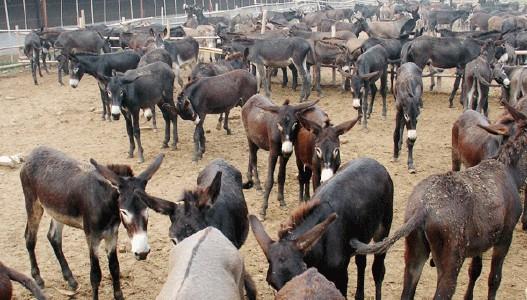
69, 120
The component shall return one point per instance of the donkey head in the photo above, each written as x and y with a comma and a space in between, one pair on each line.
191, 216
117, 89
499, 75
287, 122
327, 144
76, 72
133, 211
286, 256
184, 104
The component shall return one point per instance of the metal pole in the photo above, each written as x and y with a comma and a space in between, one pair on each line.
175, 7
141, 9
61, 18
91, 8
77, 8
104, 5
155, 8
132, 8
44, 10
7, 16
119, 7
25, 16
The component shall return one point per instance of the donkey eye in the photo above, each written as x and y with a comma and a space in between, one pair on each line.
294, 126
319, 152
109, 94
336, 152
122, 93
406, 117
280, 127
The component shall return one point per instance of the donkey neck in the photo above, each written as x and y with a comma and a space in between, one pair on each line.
513, 156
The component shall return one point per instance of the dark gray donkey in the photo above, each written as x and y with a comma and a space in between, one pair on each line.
142, 88
183, 52
280, 53
213, 95
32, 49
79, 41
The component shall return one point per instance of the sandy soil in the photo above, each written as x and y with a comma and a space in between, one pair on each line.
68, 119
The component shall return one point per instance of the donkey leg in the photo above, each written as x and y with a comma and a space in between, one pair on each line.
378, 271
113, 263
294, 75
524, 215
384, 84
284, 77
55, 239
37, 61
137, 136
34, 215
454, 89
415, 257
103, 101
301, 179
281, 179
360, 261
317, 79
273, 157
473, 273
44, 62
397, 136
226, 123
498, 257
154, 121
364, 105
95, 268
253, 166
130, 132
220, 119
410, 144
33, 70
373, 88
166, 117
448, 262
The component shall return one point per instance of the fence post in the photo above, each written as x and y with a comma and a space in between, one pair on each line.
25, 15
132, 8
7, 16
82, 20
91, 10
264, 21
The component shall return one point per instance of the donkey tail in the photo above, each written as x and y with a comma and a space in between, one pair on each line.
481, 79
27, 282
383, 246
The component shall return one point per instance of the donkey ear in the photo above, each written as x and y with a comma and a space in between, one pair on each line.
309, 125
152, 33
310, 238
496, 129
157, 204
211, 192
106, 173
514, 113
261, 236
346, 126
152, 169
165, 33
269, 108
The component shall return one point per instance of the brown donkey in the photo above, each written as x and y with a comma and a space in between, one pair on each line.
75, 194
6, 288
462, 214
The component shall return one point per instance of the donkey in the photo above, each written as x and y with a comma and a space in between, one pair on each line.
183, 52
272, 128
6, 289
442, 53
213, 95
101, 67
471, 144
280, 53
141, 42
142, 88
478, 75
463, 214
79, 41
361, 195
154, 55
317, 149
32, 49
408, 101
371, 66
91, 198
309, 285
204, 266
446, 17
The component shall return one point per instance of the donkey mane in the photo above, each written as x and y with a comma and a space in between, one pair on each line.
121, 170
511, 151
298, 216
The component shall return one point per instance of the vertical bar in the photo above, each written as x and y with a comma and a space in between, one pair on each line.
77, 9
25, 15
132, 8
142, 13
44, 10
155, 8
91, 9
175, 7
119, 7
264, 21
104, 8
61, 18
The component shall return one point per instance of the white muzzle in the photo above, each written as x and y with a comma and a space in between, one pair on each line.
356, 103
147, 113
74, 82
196, 121
140, 243
412, 134
506, 82
116, 110
326, 174
287, 147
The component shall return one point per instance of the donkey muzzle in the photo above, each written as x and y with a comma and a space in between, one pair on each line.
116, 112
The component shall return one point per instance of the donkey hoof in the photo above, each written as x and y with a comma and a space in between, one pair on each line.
173, 147
130, 155
72, 283
164, 146
394, 159
411, 170
118, 295
140, 160
229, 132
262, 214
283, 204
39, 281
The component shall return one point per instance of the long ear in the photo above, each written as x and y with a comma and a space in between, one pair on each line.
106, 173
346, 126
165, 32
301, 107
496, 129
309, 125
152, 169
152, 33
157, 204
310, 238
261, 236
514, 113
269, 108
212, 191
